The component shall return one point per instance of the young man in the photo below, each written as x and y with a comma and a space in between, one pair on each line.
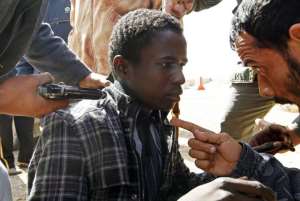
266, 35
122, 147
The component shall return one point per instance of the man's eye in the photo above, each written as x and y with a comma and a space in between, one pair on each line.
169, 65
172, 65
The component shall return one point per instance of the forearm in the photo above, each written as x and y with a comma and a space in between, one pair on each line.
50, 54
266, 169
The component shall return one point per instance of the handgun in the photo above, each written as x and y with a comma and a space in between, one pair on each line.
62, 91
272, 146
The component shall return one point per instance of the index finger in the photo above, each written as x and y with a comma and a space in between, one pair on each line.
188, 125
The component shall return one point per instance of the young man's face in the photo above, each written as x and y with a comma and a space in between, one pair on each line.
157, 78
275, 77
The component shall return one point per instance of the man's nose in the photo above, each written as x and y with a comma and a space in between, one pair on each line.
265, 88
178, 77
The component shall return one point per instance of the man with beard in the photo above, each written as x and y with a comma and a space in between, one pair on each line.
266, 36
271, 50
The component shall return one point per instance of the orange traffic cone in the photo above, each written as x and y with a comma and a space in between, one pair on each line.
201, 84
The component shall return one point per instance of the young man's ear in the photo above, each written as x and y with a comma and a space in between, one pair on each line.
294, 32
121, 66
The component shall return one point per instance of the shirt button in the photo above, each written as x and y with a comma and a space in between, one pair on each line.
67, 9
133, 197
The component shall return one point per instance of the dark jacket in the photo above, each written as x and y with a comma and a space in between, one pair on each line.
58, 16
24, 34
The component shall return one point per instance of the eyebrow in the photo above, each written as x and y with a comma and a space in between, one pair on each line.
173, 58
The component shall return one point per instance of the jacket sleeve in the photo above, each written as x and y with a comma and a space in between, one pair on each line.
269, 171
49, 53
204, 4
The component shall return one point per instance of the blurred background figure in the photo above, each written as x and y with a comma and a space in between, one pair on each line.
92, 22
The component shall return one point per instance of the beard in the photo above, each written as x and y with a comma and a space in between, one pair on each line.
292, 81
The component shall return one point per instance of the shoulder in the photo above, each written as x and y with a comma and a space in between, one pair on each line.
76, 112
204, 4
81, 117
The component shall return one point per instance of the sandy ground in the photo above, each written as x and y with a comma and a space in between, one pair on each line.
205, 108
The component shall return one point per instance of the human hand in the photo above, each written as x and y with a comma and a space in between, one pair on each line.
230, 189
94, 81
214, 153
178, 8
272, 138
19, 96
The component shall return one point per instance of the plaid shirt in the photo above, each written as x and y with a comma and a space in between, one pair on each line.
87, 152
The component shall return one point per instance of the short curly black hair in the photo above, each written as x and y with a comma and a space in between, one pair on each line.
135, 30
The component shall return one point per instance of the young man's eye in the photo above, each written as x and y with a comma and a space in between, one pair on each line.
171, 65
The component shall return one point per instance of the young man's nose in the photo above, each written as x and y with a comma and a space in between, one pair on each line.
179, 78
